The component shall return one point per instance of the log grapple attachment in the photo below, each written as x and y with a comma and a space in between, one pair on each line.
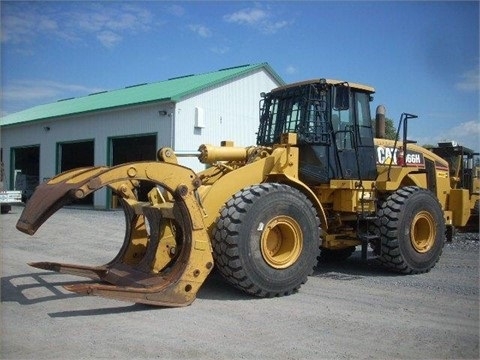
166, 253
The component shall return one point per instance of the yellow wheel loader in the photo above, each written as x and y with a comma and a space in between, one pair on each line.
464, 166
316, 185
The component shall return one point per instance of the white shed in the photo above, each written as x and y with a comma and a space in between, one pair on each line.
130, 124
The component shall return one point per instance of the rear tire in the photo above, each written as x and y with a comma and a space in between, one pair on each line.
412, 230
266, 241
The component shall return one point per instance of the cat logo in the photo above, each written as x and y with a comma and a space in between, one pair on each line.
387, 155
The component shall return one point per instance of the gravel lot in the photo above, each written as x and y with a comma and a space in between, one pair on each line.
347, 310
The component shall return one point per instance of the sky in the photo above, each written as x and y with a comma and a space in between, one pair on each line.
421, 57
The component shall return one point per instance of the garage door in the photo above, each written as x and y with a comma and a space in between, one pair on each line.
26, 169
72, 155
133, 148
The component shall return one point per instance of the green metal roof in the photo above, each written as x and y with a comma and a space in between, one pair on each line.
173, 89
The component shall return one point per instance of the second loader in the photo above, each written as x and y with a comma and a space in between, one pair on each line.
317, 184
464, 174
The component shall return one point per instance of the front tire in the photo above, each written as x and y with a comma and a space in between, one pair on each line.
412, 230
266, 241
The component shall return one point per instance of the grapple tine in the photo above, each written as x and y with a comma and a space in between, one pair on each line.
92, 272
135, 240
49, 197
165, 266
169, 296
154, 217
176, 288
134, 236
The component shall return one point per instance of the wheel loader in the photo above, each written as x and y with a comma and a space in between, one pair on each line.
317, 184
464, 173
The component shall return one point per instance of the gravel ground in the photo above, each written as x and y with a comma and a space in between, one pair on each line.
344, 311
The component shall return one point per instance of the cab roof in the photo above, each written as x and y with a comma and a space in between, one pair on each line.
353, 85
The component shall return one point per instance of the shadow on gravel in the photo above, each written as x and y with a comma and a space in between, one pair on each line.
33, 288
215, 288
353, 268
129, 307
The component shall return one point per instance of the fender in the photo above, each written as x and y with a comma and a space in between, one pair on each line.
299, 185
220, 185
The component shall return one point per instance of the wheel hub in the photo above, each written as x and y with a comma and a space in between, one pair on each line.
422, 232
281, 242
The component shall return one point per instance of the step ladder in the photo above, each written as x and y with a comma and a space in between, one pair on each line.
364, 219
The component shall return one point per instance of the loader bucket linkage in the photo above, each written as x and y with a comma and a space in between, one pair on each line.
166, 254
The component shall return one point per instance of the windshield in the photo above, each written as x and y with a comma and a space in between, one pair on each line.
300, 110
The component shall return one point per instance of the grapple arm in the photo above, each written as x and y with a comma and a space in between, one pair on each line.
164, 263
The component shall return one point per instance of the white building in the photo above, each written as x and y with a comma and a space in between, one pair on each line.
130, 124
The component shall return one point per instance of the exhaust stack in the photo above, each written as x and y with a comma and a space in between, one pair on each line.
380, 122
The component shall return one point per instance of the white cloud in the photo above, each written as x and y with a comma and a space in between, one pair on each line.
291, 70
258, 19
176, 10
126, 18
108, 38
18, 28
47, 24
246, 16
273, 27
220, 50
38, 90
201, 30
469, 128
465, 134
106, 22
469, 81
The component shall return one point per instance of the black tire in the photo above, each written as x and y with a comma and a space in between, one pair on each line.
450, 233
474, 220
329, 255
266, 240
476, 208
5, 209
412, 231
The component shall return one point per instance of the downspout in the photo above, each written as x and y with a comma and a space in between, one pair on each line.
171, 115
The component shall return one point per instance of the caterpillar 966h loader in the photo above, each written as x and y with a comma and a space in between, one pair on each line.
317, 184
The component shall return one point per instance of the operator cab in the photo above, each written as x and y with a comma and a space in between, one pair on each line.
333, 126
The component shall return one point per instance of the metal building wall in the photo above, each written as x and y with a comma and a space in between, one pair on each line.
99, 126
230, 113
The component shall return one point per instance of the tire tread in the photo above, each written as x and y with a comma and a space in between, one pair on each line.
226, 238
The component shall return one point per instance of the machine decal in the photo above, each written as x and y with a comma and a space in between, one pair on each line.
441, 167
387, 155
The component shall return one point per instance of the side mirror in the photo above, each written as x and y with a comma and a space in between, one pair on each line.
341, 96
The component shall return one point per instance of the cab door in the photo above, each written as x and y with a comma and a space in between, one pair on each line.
352, 134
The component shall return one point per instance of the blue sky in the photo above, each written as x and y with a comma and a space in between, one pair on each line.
422, 57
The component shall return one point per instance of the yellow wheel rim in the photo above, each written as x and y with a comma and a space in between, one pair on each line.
423, 232
281, 242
